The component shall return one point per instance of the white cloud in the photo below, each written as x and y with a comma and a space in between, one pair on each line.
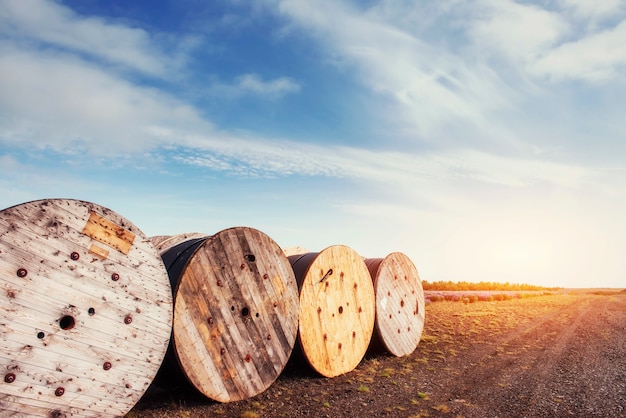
452, 170
50, 24
559, 44
277, 87
521, 32
600, 57
62, 102
253, 84
594, 9
431, 87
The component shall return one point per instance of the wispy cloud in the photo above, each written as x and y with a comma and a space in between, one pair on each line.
517, 32
594, 10
277, 87
600, 57
48, 24
435, 90
459, 74
65, 103
254, 85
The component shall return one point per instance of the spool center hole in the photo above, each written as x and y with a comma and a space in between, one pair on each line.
250, 257
67, 322
245, 312
341, 309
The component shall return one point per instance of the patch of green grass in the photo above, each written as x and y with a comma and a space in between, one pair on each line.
326, 404
443, 408
428, 339
422, 395
250, 414
387, 372
363, 388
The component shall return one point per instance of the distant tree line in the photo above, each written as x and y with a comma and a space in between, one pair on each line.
498, 286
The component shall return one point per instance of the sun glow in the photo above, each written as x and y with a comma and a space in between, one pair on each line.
524, 248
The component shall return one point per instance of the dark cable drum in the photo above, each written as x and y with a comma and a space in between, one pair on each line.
85, 311
336, 315
400, 309
235, 312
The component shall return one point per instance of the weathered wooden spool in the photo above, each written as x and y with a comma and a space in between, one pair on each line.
336, 309
163, 243
400, 309
85, 310
235, 312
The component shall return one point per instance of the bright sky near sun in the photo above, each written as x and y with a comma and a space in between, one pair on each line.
485, 139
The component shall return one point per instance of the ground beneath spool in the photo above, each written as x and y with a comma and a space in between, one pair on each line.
559, 355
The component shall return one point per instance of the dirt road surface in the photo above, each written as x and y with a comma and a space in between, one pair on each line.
558, 355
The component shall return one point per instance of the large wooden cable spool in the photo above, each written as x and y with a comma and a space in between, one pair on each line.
400, 309
336, 309
85, 310
235, 312
163, 243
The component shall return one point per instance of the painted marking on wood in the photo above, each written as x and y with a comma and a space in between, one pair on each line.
66, 345
107, 232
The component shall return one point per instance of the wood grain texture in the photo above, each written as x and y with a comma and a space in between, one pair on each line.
235, 314
336, 309
400, 310
85, 310
164, 243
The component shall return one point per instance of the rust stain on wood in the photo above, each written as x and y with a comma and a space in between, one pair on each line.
65, 346
399, 303
107, 232
235, 314
336, 314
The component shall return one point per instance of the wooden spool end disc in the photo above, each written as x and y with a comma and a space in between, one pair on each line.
400, 309
85, 310
164, 243
235, 314
336, 309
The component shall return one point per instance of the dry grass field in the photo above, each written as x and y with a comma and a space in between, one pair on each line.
558, 355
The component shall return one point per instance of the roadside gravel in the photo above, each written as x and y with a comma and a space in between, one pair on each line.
561, 355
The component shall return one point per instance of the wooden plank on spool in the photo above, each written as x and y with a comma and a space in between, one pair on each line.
336, 309
400, 309
85, 310
235, 313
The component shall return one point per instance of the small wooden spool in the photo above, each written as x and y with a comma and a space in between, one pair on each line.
85, 310
235, 312
336, 309
400, 309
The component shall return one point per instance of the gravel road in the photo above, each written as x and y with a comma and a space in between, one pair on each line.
560, 355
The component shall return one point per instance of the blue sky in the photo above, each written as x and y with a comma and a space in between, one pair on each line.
485, 139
